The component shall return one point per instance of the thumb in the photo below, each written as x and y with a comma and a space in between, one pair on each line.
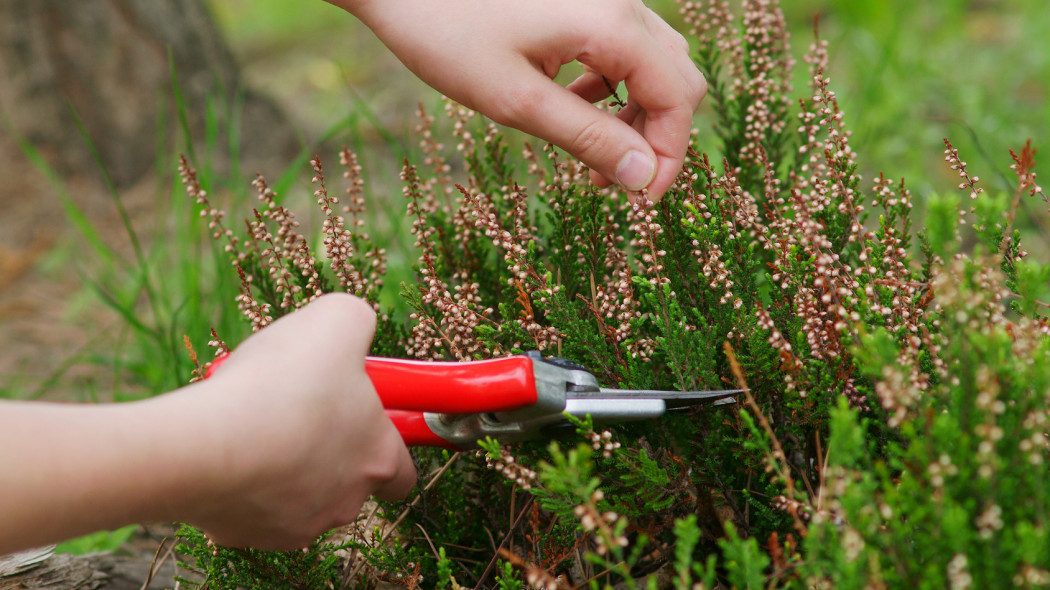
599, 139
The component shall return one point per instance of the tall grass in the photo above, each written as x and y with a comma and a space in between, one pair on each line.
171, 279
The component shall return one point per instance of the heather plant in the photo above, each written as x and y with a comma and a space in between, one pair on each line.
893, 429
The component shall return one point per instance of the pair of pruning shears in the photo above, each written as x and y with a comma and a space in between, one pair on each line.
454, 404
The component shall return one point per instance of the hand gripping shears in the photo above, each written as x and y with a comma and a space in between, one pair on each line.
455, 404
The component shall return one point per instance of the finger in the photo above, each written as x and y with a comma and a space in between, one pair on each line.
649, 64
629, 115
636, 118
403, 479
676, 52
592, 87
655, 82
677, 49
538, 106
598, 180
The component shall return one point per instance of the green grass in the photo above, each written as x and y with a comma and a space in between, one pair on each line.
168, 285
176, 281
99, 542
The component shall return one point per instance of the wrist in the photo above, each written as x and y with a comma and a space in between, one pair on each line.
204, 470
384, 17
78, 468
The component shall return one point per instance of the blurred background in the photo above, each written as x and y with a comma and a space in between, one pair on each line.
103, 268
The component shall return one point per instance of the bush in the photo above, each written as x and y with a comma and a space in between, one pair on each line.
893, 434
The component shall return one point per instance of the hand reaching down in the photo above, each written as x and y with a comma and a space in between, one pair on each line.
499, 57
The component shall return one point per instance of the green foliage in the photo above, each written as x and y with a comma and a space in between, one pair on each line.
971, 496
508, 578
687, 567
98, 542
744, 562
1032, 287
221, 568
891, 434
444, 570
568, 479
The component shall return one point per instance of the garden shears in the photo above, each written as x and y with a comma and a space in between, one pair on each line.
455, 404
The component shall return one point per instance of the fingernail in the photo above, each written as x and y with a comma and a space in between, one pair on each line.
635, 171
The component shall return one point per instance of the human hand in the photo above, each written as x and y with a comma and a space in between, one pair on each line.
287, 440
306, 440
498, 57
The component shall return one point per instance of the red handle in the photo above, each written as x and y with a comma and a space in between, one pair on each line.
496, 385
215, 364
409, 388
416, 432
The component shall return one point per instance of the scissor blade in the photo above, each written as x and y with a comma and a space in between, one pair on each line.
627, 406
669, 396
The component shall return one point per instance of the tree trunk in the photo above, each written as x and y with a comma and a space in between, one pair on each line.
110, 62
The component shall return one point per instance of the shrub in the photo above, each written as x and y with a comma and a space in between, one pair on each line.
893, 434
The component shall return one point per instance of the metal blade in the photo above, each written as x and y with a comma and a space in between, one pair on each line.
633, 404
670, 396
616, 409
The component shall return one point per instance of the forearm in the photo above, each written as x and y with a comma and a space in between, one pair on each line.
73, 469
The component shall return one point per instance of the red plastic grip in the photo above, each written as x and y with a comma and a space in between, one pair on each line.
409, 388
415, 431
496, 385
